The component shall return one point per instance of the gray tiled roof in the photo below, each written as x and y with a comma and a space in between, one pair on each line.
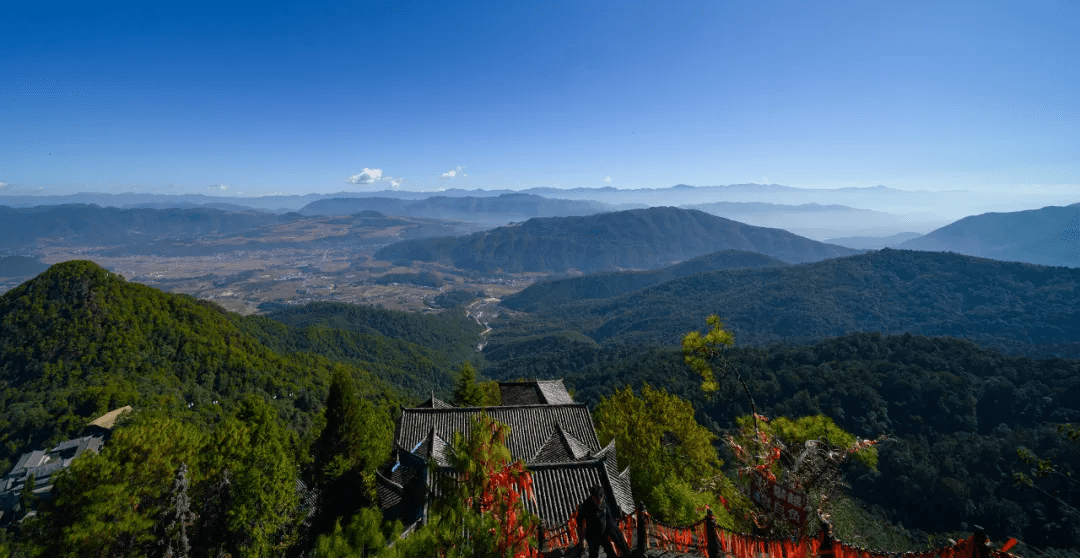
560, 447
561, 487
535, 392
436, 403
530, 425
432, 446
554, 392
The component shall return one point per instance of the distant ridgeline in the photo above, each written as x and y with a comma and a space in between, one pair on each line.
78, 340
634, 239
1013, 307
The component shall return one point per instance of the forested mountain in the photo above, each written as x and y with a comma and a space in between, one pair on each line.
955, 415
78, 340
604, 285
496, 209
1016, 307
634, 239
1047, 236
89, 224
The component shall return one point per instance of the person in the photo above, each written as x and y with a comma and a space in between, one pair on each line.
597, 527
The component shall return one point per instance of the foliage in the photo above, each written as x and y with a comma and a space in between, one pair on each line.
606, 285
77, 341
674, 468
467, 392
363, 535
129, 499
1011, 307
954, 413
480, 510
356, 439
805, 454
699, 352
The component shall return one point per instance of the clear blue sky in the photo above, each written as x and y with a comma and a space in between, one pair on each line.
282, 98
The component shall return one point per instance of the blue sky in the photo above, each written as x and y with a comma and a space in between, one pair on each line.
250, 99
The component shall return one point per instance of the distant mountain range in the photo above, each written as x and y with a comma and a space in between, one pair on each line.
873, 242
605, 285
1014, 307
878, 198
497, 210
821, 222
622, 240
1047, 236
90, 224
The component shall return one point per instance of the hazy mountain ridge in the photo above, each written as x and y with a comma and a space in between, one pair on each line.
92, 224
633, 239
1015, 307
500, 209
1047, 236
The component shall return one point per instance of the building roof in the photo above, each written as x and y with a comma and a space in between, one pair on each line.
534, 392
435, 403
561, 487
554, 436
108, 420
560, 447
531, 426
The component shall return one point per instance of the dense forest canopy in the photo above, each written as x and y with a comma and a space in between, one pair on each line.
78, 340
1012, 307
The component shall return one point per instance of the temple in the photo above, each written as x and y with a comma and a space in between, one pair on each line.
552, 434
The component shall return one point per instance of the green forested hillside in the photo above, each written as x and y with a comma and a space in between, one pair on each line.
78, 340
1018, 308
634, 239
955, 415
605, 285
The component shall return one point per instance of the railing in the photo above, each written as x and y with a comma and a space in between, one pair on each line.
707, 539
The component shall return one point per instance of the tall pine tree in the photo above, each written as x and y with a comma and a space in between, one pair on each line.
467, 392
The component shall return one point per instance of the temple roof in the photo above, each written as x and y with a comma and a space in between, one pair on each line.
534, 392
531, 426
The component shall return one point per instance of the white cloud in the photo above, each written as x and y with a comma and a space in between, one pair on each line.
221, 187
607, 180
366, 176
3, 184
454, 173
394, 182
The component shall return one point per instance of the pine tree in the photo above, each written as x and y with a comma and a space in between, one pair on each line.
178, 516
467, 392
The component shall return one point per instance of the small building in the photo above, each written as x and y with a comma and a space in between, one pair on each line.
552, 434
42, 465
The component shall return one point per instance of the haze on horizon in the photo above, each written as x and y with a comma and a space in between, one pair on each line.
248, 100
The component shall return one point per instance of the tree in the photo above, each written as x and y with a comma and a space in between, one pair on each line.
357, 439
674, 467
803, 456
481, 509
466, 391
255, 449
108, 503
178, 517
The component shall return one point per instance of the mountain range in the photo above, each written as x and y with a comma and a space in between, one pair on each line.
632, 239
495, 210
1013, 307
1047, 236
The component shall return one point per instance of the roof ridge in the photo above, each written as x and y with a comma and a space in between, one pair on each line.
495, 407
